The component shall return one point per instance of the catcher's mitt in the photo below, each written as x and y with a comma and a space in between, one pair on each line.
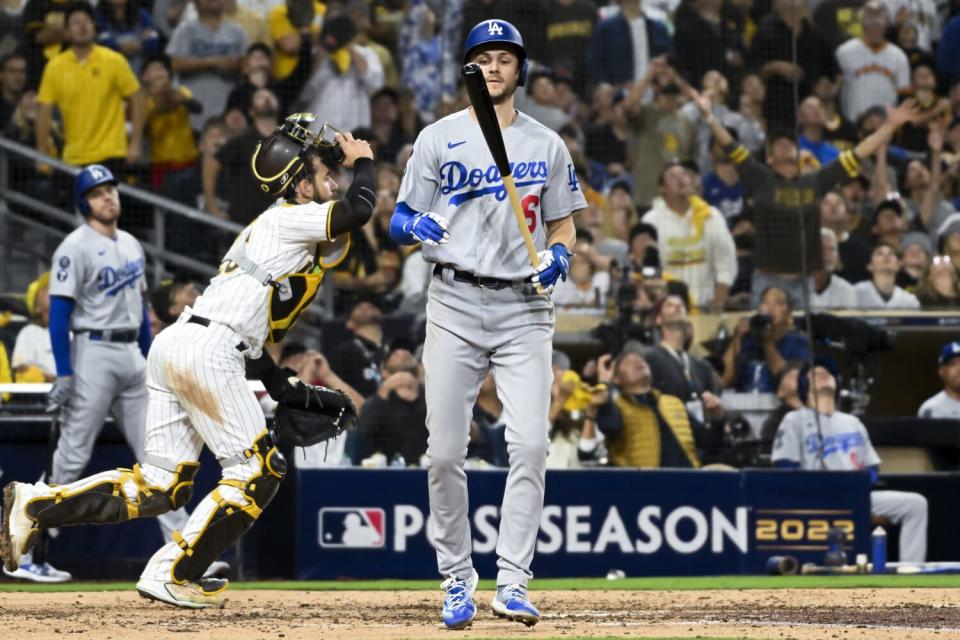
309, 414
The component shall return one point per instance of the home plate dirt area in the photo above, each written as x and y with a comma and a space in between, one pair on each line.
875, 614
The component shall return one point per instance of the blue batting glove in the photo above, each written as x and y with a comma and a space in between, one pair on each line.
554, 265
429, 228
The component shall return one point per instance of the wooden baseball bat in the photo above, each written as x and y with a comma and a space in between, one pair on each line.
487, 118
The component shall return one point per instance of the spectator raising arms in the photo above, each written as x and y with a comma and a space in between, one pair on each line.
780, 192
662, 134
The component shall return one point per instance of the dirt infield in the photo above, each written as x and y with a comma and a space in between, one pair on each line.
875, 614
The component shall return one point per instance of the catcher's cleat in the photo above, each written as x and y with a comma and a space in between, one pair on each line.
512, 603
458, 606
19, 531
204, 594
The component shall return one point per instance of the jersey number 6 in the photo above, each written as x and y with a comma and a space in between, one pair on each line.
529, 204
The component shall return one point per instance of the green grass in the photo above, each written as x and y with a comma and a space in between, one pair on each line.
627, 584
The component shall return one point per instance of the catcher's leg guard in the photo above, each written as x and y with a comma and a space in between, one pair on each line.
236, 505
110, 497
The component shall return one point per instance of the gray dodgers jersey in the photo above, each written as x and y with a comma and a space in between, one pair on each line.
940, 406
104, 276
846, 444
452, 173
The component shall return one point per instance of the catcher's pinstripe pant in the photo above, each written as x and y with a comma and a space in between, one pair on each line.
198, 394
469, 330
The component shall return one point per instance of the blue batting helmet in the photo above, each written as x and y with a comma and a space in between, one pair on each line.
948, 353
500, 31
91, 177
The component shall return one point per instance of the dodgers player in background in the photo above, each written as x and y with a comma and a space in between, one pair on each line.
97, 290
483, 311
842, 444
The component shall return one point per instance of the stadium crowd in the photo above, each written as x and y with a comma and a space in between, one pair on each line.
734, 154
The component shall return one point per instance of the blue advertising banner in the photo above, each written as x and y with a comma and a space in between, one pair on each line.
641, 522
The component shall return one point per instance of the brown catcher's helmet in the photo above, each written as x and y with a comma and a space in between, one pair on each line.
280, 157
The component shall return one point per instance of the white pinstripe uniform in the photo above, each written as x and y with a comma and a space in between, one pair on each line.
196, 374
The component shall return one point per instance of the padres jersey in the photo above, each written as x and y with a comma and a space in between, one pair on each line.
846, 445
452, 173
104, 276
286, 239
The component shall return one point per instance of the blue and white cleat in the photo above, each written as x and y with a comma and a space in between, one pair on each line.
458, 607
511, 602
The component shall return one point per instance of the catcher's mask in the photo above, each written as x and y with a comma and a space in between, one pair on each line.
280, 159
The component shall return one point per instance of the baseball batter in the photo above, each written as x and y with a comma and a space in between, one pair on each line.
483, 311
196, 374
838, 441
97, 290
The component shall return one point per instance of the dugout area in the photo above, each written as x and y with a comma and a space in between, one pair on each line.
805, 607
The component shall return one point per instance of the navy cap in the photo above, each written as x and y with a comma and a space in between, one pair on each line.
948, 352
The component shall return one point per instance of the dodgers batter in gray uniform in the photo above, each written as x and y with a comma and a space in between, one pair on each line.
483, 312
840, 442
97, 288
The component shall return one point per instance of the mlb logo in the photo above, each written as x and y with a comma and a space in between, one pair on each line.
352, 527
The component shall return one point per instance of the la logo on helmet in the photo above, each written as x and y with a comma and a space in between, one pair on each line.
494, 29
97, 173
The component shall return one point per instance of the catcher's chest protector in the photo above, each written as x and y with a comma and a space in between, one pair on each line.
291, 293
289, 296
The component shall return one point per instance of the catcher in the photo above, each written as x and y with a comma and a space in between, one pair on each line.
196, 376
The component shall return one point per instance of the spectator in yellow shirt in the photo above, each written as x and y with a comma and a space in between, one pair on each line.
293, 24
172, 144
89, 84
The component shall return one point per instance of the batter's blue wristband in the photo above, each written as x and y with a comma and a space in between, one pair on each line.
561, 255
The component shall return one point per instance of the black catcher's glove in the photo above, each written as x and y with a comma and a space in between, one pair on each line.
306, 414
309, 414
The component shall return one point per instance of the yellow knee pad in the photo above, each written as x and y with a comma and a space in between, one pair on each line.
230, 519
154, 501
